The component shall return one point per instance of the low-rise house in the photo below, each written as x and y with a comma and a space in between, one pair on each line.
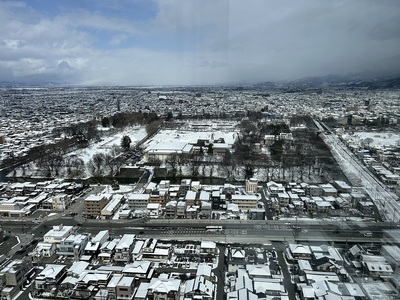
123, 250
208, 248
190, 198
49, 278
273, 188
112, 286
205, 210
58, 233
204, 196
256, 214
73, 245
125, 287
181, 209
323, 206
192, 211
284, 199
88, 283
314, 191
137, 250
61, 202
298, 251
12, 277
199, 288
164, 288
309, 204
141, 269
365, 207
77, 268
107, 251
328, 190
170, 209
377, 267
258, 271
153, 210
141, 291
42, 250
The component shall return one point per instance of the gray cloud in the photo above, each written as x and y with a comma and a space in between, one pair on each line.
208, 42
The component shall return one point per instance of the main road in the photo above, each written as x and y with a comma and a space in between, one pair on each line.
259, 232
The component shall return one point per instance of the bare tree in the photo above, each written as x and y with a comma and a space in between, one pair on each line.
96, 164
173, 161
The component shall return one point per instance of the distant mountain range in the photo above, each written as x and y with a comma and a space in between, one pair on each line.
360, 80
349, 81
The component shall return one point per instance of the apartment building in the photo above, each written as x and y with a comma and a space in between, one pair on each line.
138, 201
94, 205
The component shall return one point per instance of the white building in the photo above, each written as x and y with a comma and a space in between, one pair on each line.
55, 235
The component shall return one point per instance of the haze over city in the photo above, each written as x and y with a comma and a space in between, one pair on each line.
169, 42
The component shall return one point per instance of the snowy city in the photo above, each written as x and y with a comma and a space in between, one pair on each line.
199, 150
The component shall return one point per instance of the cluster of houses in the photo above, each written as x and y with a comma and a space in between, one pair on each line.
189, 199
21, 199
327, 198
322, 272
192, 200
72, 265
254, 273
382, 160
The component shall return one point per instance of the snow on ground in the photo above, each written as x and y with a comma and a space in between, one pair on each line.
379, 139
136, 134
190, 136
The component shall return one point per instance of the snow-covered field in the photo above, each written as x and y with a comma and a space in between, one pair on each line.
136, 134
170, 135
378, 139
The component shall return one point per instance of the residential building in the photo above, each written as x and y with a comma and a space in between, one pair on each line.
49, 278
94, 204
58, 233
138, 201
73, 245
163, 288
125, 287
170, 209
123, 250
12, 277
245, 202
251, 185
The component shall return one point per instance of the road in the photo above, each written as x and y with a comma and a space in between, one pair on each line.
246, 231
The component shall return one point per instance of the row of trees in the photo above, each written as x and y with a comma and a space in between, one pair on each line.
72, 166
307, 155
52, 159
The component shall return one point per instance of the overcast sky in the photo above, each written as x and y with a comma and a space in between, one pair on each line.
180, 42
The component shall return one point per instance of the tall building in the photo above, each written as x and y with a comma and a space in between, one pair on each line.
94, 204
